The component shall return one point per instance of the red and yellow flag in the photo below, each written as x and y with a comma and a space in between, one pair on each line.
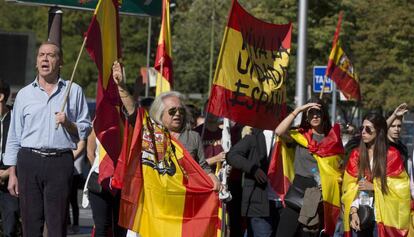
165, 192
328, 156
248, 85
392, 210
341, 70
163, 60
103, 45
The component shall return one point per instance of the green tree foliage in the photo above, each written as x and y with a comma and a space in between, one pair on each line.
376, 35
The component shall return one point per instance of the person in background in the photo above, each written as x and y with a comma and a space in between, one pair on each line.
317, 156
211, 136
9, 205
79, 156
40, 143
104, 203
259, 204
394, 123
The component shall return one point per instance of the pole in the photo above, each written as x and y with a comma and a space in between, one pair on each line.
301, 64
334, 99
148, 56
323, 87
213, 17
71, 77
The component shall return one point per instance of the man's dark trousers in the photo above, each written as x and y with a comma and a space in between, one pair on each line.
44, 187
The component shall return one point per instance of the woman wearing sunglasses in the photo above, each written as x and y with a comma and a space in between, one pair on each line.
316, 150
376, 194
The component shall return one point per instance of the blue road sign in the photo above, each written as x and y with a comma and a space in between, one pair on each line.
318, 75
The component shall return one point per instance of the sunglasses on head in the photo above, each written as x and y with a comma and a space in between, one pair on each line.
174, 110
368, 129
314, 112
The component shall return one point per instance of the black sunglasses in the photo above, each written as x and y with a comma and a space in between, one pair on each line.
174, 110
314, 112
368, 129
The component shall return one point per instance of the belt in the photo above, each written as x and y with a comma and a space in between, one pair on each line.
48, 152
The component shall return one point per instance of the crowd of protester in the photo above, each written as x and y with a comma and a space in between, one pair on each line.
364, 173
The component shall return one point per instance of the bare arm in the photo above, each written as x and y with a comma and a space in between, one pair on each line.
81, 146
398, 112
126, 98
91, 147
285, 125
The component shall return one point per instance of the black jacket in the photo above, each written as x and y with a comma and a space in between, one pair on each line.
248, 155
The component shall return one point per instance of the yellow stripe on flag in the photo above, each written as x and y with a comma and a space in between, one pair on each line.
105, 14
168, 193
397, 200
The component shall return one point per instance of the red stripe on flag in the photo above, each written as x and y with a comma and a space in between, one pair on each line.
248, 25
167, 70
265, 117
107, 121
331, 214
201, 203
130, 172
389, 231
348, 85
94, 47
278, 181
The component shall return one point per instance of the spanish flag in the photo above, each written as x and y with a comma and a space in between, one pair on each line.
163, 60
392, 209
249, 83
327, 153
341, 70
165, 192
103, 46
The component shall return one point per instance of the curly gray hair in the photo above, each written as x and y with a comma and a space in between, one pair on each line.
157, 108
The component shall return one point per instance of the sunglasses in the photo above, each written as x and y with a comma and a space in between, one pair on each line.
314, 112
368, 129
174, 110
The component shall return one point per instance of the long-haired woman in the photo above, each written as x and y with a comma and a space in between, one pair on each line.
376, 194
317, 150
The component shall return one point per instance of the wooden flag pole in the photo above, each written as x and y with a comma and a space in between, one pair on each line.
71, 77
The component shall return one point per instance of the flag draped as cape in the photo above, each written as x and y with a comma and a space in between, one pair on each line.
328, 156
392, 210
164, 191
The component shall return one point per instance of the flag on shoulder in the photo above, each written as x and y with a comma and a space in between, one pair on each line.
165, 192
103, 46
341, 70
249, 83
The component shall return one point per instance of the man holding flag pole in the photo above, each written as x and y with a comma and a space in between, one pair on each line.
38, 151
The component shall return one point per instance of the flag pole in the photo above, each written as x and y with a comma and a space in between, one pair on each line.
161, 72
71, 77
148, 55
210, 77
323, 87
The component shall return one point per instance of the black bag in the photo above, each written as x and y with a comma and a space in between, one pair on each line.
294, 197
93, 185
366, 216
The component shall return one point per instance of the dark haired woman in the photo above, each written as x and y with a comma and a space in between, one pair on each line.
376, 170
317, 149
